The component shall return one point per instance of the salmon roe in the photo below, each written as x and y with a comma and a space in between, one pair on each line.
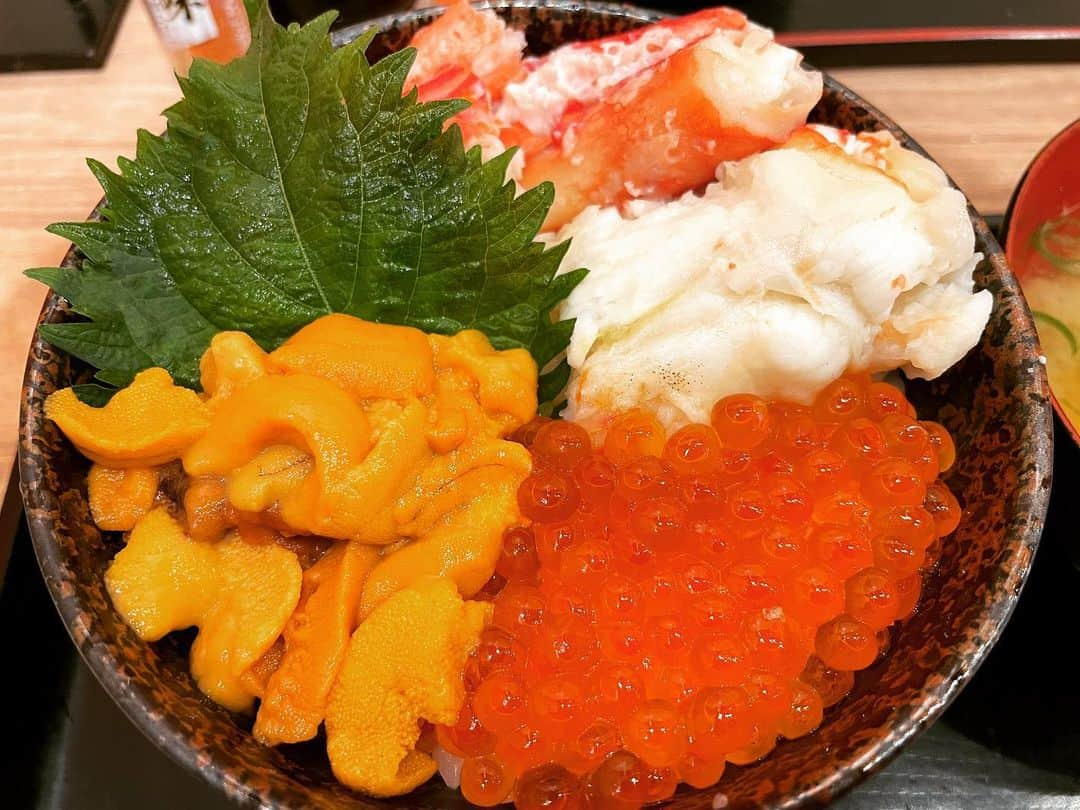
681, 602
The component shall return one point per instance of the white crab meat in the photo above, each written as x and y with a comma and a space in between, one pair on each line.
831, 254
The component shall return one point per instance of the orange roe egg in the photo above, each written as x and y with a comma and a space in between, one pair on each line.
735, 464
519, 609
831, 685
943, 507
468, 737
633, 434
557, 704
658, 520
703, 494
624, 781
526, 434
679, 603
644, 477
563, 445
548, 787
814, 595
720, 660
522, 748
914, 525
764, 741
804, 714
840, 400
616, 689
673, 683
894, 482
741, 420
907, 439
551, 540
484, 781
942, 443
720, 720
860, 441
595, 477
656, 732
716, 612
872, 598
795, 431
568, 644
700, 770
897, 555
622, 642
784, 547
547, 496
844, 550
620, 598
771, 696
518, 560
498, 650
691, 449
500, 702
908, 591
823, 471
883, 399
846, 643
595, 743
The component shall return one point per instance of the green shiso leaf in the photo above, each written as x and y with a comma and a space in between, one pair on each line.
297, 181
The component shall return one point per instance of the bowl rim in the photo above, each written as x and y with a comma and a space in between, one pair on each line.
1016, 199
160, 728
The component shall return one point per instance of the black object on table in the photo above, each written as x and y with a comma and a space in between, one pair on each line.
834, 33
1011, 740
44, 34
349, 11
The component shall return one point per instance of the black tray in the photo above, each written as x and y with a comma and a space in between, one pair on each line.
1012, 739
49, 34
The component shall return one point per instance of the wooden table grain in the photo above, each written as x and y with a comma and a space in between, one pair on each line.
983, 123
50, 122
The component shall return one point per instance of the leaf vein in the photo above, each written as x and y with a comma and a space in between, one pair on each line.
281, 177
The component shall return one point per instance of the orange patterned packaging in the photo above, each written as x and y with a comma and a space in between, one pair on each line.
211, 29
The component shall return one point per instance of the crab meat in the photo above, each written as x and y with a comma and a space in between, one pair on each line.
473, 42
828, 255
472, 55
664, 130
650, 113
582, 73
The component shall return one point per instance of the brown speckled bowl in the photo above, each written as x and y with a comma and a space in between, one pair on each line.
995, 402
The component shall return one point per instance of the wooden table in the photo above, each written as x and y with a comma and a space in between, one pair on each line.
982, 122
50, 122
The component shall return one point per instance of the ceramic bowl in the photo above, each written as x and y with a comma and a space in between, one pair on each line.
1048, 192
995, 402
